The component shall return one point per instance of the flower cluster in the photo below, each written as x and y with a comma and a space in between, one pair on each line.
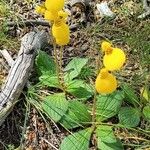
113, 60
53, 12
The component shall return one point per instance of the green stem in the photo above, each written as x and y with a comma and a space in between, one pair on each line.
61, 69
121, 126
94, 112
56, 59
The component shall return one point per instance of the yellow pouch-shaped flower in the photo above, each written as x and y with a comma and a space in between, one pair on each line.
51, 16
61, 33
54, 5
105, 82
62, 15
114, 60
40, 9
105, 46
63, 41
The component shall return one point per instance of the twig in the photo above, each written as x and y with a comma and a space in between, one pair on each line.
49, 143
28, 23
36, 23
145, 5
7, 56
145, 14
146, 8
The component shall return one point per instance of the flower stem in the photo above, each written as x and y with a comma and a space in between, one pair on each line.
58, 62
94, 111
58, 65
61, 73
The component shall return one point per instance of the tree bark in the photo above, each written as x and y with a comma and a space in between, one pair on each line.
19, 72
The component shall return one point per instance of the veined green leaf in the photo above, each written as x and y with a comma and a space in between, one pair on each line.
74, 68
110, 146
76, 116
108, 105
55, 106
77, 141
49, 80
45, 63
80, 89
106, 139
129, 117
105, 134
130, 95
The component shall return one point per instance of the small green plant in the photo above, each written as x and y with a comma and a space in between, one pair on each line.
71, 108
78, 102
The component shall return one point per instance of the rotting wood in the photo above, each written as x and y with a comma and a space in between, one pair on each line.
19, 72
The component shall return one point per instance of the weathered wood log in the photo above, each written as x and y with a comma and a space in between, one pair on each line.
146, 7
19, 72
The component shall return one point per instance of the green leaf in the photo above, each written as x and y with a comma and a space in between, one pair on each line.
80, 89
87, 72
108, 105
106, 139
76, 116
74, 68
129, 117
45, 63
130, 95
110, 146
145, 93
146, 112
105, 134
77, 141
55, 106
49, 80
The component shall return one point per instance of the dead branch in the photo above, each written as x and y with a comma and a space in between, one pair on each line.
19, 72
35, 23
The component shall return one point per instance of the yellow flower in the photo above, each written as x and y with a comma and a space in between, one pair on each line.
40, 9
61, 33
62, 15
51, 16
105, 82
54, 5
62, 42
55, 16
105, 46
114, 58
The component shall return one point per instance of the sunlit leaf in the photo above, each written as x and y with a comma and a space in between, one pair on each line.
55, 106
73, 69
110, 146
146, 112
49, 80
105, 134
108, 105
80, 89
106, 139
77, 141
76, 116
145, 93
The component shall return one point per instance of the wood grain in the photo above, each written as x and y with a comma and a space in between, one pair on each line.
19, 72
